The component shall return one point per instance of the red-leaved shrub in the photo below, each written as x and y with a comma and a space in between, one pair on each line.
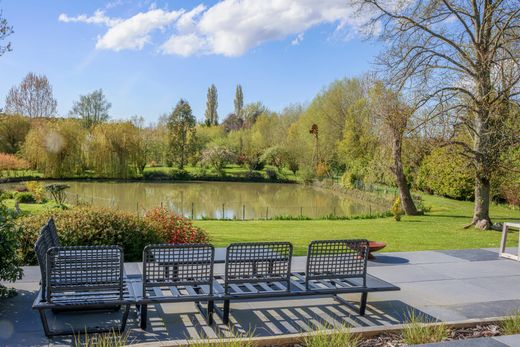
175, 228
11, 162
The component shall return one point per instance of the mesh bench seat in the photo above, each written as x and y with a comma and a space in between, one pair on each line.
333, 267
81, 279
176, 273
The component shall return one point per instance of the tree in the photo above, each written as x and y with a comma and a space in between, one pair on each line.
217, 156
181, 126
251, 112
13, 130
211, 106
5, 31
232, 123
239, 101
32, 98
395, 116
463, 59
92, 108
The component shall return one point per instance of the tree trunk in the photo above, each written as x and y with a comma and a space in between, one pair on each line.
481, 218
404, 191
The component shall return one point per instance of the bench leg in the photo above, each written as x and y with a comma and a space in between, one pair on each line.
211, 306
225, 318
143, 316
363, 304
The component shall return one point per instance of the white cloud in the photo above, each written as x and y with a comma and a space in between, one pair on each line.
134, 32
99, 17
229, 28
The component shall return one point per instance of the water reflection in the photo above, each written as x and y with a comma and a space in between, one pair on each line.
220, 199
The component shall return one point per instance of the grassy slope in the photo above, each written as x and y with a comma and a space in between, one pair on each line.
442, 228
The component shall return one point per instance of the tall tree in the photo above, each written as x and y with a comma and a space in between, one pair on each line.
181, 126
239, 101
13, 130
211, 106
32, 98
395, 115
92, 108
5, 31
463, 59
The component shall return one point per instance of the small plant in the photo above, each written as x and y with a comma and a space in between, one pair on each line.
10, 260
420, 330
58, 192
511, 325
37, 189
397, 210
112, 339
334, 337
25, 198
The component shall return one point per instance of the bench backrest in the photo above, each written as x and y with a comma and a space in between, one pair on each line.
85, 269
337, 259
258, 262
48, 238
184, 264
52, 233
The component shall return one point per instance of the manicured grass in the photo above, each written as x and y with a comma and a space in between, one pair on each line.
441, 228
32, 208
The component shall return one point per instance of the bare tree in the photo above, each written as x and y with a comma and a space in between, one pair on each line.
395, 116
32, 98
5, 31
92, 108
463, 59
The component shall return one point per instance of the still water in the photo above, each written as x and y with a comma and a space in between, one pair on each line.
218, 200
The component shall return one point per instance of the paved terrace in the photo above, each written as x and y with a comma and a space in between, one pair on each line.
448, 285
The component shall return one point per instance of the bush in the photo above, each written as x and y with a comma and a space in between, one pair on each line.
397, 210
447, 173
91, 226
37, 189
166, 174
10, 260
174, 228
11, 162
25, 198
271, 174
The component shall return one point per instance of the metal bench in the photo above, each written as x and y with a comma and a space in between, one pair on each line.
81, 279
176, 273
263, 270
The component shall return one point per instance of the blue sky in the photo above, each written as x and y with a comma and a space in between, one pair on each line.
146, 55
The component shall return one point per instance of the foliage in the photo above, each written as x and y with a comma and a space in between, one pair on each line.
420, 331
111, 339
272, 175
232, 123
169, 174
11, 162
37, 189
56, 147
25, 197
91, 226
10, 260
13, 130
57, 191
181, 126
447, 173
511, 325
331, 337
5, 31
350, 179
115, 150
92, 108
211, 116
397, 210
174, 228
239, 101
217, 156
275, 155
322, 170
32, 98
251, 112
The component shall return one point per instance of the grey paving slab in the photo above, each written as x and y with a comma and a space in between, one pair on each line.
511, 340
499, 289
487, 309
477, 269
480, 342
425, 257
472, 254
415, 273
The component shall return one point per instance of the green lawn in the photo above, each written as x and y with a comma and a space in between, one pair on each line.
441, 228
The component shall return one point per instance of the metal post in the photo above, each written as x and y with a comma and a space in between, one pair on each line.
192, 209
243, 212
161, 205
334, 211
222, 211
137, 206
301, 211
267, 213
77, 199
370, 210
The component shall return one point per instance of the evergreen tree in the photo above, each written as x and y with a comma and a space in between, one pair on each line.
181, 126
239, 101
211, 106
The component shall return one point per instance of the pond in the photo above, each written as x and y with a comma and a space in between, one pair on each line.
217, 200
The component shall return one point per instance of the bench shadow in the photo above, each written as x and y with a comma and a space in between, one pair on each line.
275, 318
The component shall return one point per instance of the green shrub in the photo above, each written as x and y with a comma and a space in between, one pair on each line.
10, 260
90, 226
166, 174
511, 325
25, 198
271, 174
5, 194
397, 210
447, 173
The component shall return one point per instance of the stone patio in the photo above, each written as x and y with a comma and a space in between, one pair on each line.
451, 285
